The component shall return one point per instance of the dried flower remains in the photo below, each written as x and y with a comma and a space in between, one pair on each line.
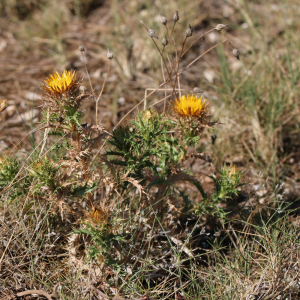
236, 53
3, 104
164, 20
98, 216
152, 33
109, 54
189, 31
176, 17
220, 27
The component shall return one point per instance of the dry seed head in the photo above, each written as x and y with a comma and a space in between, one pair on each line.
164, 41
81, 48
220, 27
152, 33
189, 31
213, 138
164, 20
176, 17
109, 54
236, 53
3, 104
197, 90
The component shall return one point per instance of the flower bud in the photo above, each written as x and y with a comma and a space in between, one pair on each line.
109, 54
189, 31
164, 41
220, 27
236, 53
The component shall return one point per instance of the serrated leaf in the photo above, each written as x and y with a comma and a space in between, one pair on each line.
157, 182
81, 190
27, 208
114, 153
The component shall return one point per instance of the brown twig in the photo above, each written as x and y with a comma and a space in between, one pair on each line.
202, 55
177, 62
101, 92
167, 82
157, 48
5, 251
201, 36
163, 74
87, 73
38, 292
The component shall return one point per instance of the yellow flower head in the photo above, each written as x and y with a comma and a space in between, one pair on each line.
60, 84
191, 106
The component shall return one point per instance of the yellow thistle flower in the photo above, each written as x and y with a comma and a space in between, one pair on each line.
60, 84
191, 106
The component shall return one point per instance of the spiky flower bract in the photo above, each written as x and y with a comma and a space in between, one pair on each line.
59, 84
62, 99
192, 115
191, 106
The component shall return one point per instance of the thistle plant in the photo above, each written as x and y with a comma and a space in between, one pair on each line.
62, 99
91, 176
98, 225
66, 178
145, 146
8, 170
226, 186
